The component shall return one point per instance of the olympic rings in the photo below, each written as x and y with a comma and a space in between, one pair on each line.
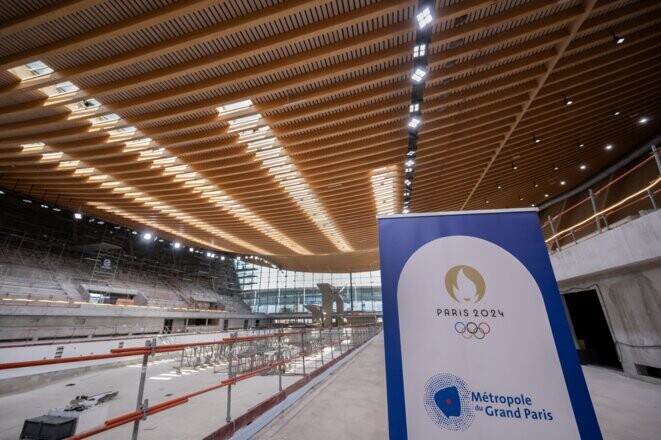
470, 329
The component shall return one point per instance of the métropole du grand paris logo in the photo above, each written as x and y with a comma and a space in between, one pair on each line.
452, 405
466, 286
448, 403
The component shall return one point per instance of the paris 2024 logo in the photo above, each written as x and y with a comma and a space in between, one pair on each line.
466, 286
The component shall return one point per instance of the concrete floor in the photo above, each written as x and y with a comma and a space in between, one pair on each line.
352, 404
194, 420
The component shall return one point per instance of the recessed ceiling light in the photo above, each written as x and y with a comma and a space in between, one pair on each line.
609, 147
643, 120
580, 144
546, 195
499, 186
535, 139
567, 101
618, 39
555, 167
146, 236
563, 183
582, 167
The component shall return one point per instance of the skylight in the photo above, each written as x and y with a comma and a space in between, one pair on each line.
84, 105
236, 106
39, 68
105, 118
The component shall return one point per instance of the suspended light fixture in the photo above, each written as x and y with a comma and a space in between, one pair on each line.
424, 17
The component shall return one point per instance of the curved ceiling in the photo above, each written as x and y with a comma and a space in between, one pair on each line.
281, 128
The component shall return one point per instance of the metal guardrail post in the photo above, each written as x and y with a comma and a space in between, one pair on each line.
303, 349
142, 405
230, 375
554, 232
657, 157
651, 196
279, 365
340, 331
330, 335
594, 210
321, 347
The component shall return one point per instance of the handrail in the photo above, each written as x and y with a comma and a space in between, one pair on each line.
137, 415
599, 191
601, 218
603, 211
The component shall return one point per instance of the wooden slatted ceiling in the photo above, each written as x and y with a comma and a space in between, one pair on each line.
331, 81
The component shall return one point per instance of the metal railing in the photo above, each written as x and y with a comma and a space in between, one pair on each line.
599, 219
293, 352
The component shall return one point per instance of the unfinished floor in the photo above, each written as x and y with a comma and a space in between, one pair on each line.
352, 404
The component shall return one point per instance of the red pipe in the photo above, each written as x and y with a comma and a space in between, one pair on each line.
92, 357
136, 415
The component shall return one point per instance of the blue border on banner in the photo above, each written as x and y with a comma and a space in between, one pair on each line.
519, 233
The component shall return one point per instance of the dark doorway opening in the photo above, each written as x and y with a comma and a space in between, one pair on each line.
596, 345
167, 326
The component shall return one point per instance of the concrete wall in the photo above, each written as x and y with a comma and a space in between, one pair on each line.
624, 266
22, 322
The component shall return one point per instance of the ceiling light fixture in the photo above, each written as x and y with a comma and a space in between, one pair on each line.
580, 144
618, 39
77, 216
582, 167
414, 123
419, 74
424, 17
563, 183
555, 167
419, 50
643, 120
568, 101
146, 236
535, 139
609, 147
514, 166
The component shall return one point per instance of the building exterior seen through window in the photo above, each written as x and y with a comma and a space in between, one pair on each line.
269, 290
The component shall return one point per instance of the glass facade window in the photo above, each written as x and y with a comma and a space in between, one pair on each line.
269, 290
